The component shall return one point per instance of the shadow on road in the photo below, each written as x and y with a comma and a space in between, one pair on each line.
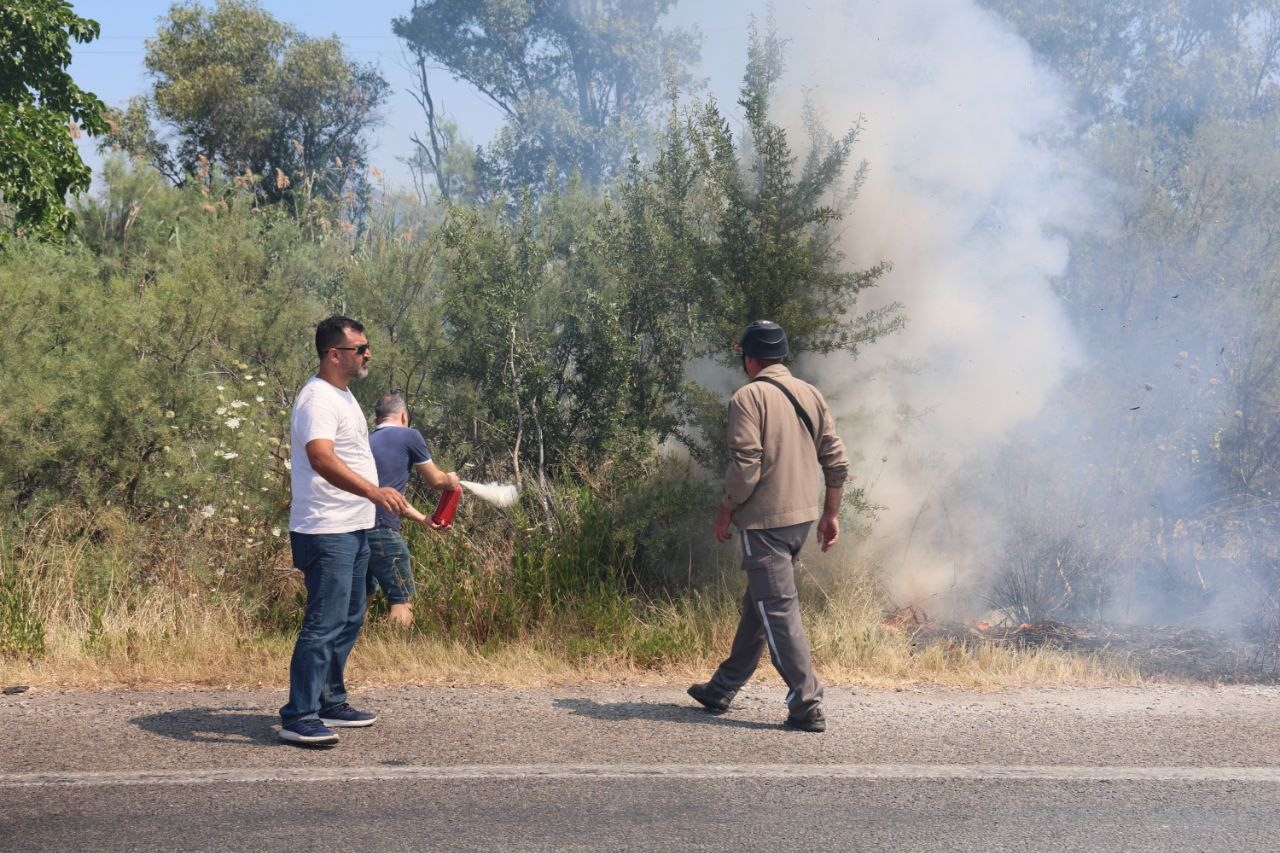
661, 712
212, 725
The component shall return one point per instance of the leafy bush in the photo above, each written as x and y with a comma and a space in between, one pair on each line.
21, 628
546, 342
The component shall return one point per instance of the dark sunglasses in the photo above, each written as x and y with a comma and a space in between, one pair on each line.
360, 350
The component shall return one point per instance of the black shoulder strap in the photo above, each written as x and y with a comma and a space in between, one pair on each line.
804, 416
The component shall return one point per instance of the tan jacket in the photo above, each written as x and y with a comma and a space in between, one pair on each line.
776, 477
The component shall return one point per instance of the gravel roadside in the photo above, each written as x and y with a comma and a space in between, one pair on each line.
1166, 725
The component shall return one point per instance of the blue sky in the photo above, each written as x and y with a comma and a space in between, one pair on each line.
112, 66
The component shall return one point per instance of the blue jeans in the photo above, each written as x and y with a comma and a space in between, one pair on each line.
333, 566
389, 566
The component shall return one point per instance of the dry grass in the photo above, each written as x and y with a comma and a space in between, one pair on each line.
120, 606
852, 644
147, 647
382, 658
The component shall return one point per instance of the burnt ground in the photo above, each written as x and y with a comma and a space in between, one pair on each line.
1171, 652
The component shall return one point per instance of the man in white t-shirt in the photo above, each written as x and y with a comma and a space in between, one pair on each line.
335, 490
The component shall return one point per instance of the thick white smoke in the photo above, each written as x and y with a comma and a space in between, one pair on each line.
965, 194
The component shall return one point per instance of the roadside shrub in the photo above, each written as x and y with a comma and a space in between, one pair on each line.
21, 628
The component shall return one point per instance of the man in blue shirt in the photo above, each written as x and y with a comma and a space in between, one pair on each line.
398, 450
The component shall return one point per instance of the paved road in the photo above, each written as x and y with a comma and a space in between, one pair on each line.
1167, 768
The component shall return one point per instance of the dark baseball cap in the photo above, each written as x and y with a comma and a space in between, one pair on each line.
764, 339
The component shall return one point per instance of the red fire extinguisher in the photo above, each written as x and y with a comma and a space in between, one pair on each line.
443, 516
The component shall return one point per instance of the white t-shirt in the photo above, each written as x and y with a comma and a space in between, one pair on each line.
323, 411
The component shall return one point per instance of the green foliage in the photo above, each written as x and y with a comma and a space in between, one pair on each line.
568, 347
775, 256
576, 321
1155, 62
577, 81
21, 627
244, 92
119, 396
133, 131
607, 559
41, 110
549, 343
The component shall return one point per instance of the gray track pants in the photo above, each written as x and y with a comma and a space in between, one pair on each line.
771, 616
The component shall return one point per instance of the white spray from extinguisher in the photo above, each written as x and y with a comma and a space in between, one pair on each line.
498, 494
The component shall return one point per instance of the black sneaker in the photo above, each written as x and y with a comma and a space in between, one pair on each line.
345, 716
815, 722
711, 700
310, 732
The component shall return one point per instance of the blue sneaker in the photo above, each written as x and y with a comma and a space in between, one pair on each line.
308, 731
347, 717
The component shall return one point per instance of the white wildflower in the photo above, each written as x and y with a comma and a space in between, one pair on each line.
230, 454
208, 510
261, 384
275, 531
233, 423
220, 387
168, 413
221, 410
238, 404
260, 398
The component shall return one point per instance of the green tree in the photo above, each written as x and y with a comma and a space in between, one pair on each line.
577, 80
242, 91
144, 336
775, 255
133, 130
575, 323
569, 330
1155, 62
41, 110
756, 240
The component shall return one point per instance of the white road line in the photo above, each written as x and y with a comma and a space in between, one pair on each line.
525, 772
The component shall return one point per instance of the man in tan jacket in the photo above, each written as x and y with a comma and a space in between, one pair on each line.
787, 468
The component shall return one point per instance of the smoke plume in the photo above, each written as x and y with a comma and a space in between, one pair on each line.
967, 195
